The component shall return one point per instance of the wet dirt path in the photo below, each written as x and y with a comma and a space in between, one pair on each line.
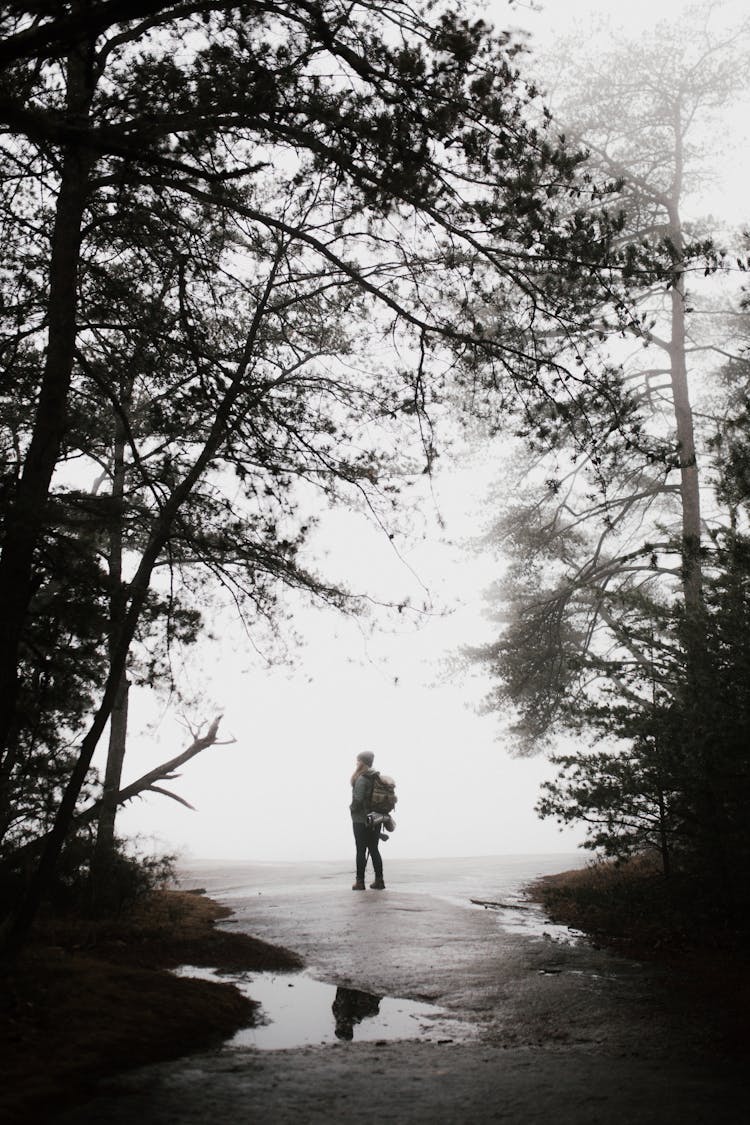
561, 1032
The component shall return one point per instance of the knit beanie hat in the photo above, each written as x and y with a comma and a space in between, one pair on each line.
366, 756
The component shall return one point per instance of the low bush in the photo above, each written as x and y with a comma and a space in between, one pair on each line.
631, 903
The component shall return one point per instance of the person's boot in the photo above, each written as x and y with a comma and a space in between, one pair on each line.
359, 885
378, 885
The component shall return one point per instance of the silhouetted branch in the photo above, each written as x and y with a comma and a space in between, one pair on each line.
148, 783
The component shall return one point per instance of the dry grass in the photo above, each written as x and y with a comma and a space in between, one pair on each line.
630, 904
619, 904
87, 999
631, 908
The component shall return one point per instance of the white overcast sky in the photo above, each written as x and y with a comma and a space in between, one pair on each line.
280, 791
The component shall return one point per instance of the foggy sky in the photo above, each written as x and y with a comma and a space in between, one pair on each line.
281, 791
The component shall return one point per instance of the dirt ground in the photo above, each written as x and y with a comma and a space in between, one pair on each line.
87, 999
560, 1031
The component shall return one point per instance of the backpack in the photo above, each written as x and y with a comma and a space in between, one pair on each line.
383, 797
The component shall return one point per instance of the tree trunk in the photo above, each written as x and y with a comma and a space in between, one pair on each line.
118, 724
666, 860
692, 578
25, 519
104, 847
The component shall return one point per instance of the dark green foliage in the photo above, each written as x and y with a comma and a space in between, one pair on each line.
630, 905
678, 781
62, 665
129, 877
672, 770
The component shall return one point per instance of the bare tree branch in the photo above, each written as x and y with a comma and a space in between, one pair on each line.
164, 772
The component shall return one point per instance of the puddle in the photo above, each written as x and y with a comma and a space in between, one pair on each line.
536, 925
524, 917
301, 1012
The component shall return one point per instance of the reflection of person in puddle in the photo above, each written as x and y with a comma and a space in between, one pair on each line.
366, 837
350, 1007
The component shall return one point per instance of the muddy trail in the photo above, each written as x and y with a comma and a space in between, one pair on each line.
418, 1005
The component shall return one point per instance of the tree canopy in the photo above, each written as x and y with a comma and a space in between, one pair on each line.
249, 246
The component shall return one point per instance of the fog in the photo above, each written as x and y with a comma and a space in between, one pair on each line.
281, 789
278, 788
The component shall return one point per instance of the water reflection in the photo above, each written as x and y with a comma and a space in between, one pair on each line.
299, 1011
351, 1006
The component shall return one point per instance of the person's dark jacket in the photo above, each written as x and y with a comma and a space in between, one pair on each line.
361, 796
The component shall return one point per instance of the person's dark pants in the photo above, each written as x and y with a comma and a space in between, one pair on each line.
367, 839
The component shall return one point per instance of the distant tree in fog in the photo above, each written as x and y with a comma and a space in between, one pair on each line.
608, 529
627, 562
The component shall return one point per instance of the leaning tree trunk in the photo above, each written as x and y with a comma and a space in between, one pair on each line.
102, 889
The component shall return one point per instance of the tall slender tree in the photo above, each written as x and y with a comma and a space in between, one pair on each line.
609, 520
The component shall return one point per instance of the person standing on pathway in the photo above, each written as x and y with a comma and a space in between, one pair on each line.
366, 837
